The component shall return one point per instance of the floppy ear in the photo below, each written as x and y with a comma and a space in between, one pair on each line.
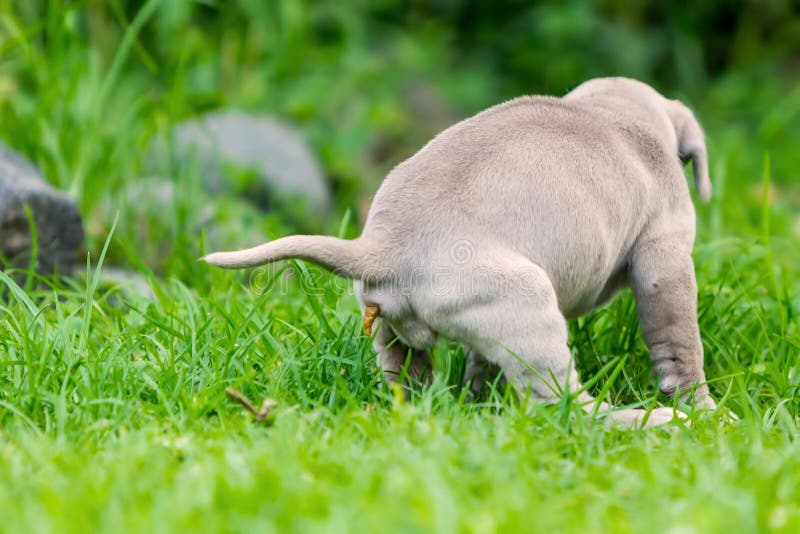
691, 145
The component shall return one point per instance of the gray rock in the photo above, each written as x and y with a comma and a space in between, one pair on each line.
272, 148
127, 280
59, 227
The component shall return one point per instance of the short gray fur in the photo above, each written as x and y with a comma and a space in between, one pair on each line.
533, 211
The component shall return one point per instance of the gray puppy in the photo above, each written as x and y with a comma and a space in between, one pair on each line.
533, 211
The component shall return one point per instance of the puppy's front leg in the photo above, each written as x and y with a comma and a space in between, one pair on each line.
663, 282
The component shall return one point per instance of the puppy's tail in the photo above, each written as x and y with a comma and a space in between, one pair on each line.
691, 145
355, 258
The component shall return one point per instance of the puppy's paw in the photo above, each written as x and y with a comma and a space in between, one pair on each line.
702, 401
728, 415
637, 418
662, 416
708, 404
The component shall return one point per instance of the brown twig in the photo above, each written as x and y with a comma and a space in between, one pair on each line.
259, 415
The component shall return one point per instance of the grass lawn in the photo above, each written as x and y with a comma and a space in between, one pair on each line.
113, 411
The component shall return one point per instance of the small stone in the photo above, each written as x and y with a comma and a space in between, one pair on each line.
127, 280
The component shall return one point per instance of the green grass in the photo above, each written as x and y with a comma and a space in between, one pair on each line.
113, 413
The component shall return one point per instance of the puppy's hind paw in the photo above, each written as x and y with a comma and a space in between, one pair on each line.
708, 404
638, 418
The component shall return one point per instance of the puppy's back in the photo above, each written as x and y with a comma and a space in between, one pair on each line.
522, 163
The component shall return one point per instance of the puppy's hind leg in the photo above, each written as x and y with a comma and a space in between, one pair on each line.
515, 323
478, 371
397, 360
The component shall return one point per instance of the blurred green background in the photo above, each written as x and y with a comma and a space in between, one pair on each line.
85, 86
